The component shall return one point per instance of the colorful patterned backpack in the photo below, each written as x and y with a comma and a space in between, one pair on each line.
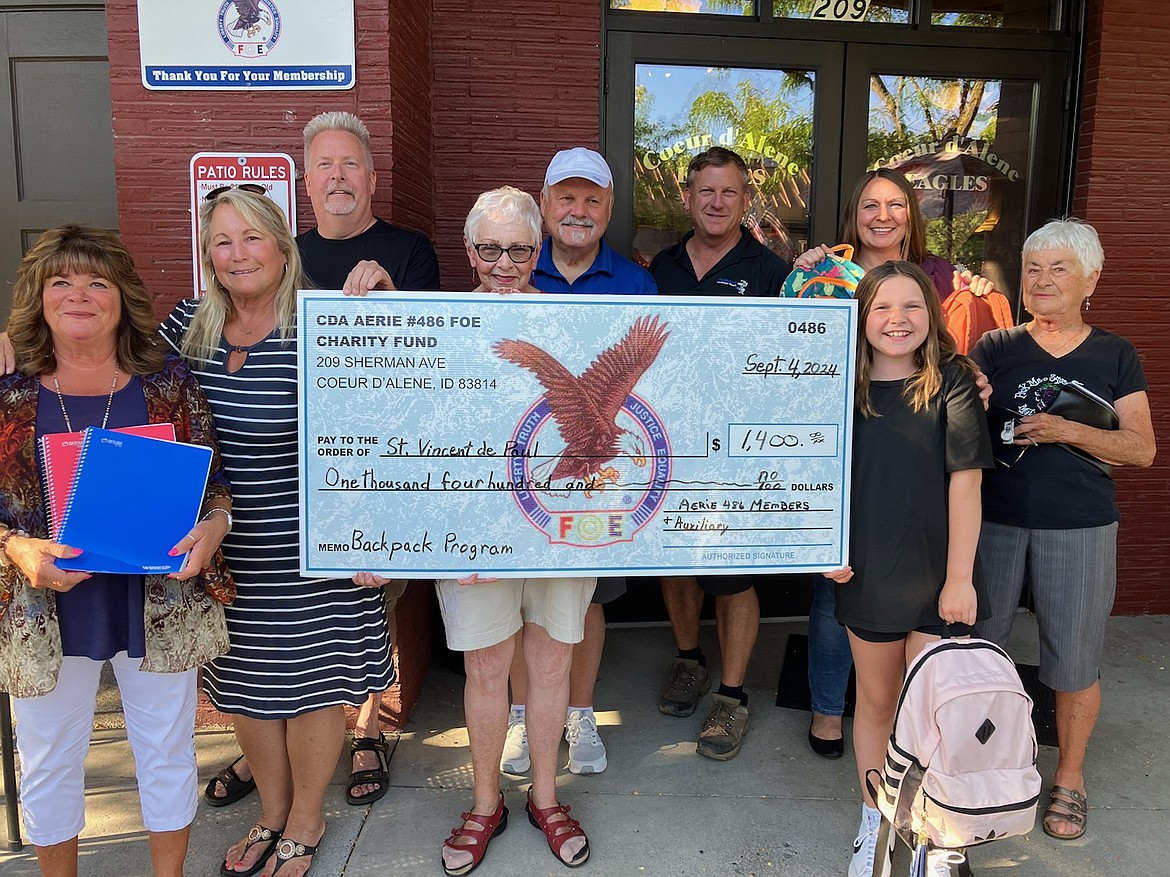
833, 277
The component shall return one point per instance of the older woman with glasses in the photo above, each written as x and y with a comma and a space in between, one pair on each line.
502, 241
1051, 517
485, 618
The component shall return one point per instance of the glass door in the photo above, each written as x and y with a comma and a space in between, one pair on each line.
774, 102
979, 135
979, 132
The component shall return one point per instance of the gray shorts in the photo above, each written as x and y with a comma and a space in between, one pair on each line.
1073, 578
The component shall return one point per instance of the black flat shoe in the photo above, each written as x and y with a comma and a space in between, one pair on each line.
826, 748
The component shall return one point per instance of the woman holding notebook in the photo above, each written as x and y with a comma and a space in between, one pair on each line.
88, 355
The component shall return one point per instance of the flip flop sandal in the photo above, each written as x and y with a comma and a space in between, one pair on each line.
235, 787
1067, 805
556, 833
257, 834
287, 850
380, 775
493, 826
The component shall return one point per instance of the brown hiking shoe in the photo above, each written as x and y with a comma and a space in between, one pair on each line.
723, 731
688, 682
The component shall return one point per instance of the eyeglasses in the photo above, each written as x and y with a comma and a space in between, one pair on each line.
254, 188
518, 253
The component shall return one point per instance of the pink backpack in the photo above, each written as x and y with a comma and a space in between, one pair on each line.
961, 765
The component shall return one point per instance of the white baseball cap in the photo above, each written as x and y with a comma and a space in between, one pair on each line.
578, 162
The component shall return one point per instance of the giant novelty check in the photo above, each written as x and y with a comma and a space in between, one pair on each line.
550, 435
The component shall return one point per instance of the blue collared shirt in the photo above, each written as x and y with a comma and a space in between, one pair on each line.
610, 272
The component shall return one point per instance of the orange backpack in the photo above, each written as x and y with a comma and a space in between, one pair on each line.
969, 316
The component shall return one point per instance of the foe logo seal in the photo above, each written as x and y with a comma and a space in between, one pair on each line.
612, 473
608, 506
249, 28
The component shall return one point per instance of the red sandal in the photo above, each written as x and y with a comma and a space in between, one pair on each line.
556, 833
492, 826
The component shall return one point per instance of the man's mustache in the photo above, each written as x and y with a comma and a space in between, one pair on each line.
578, 223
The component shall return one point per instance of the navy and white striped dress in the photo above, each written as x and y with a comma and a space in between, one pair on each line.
297, 644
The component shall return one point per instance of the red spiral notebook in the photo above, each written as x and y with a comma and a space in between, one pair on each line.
60, 452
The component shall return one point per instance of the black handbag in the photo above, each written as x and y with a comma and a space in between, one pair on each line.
1074, 401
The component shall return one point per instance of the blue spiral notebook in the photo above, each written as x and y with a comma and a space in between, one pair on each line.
133, 498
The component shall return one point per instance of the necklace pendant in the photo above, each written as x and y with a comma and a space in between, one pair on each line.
109, 401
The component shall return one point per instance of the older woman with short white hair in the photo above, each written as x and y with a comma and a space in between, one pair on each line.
1049, 513
485, 618
502, 238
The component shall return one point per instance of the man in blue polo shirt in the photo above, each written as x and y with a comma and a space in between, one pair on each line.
576, 203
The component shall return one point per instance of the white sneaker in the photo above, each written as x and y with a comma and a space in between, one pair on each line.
586, 751
515, 756
861, 865
944, 863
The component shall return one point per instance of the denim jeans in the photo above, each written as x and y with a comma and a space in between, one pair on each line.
829, 658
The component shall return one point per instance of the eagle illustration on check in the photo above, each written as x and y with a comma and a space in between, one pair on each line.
585, 408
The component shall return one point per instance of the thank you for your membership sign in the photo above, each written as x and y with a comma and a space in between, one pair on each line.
544, 435
247, 45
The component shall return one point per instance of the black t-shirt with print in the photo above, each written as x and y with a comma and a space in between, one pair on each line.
1049, 488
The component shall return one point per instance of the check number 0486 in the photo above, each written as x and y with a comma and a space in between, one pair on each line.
840, 10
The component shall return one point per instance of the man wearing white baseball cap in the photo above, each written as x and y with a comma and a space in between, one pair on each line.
577, 202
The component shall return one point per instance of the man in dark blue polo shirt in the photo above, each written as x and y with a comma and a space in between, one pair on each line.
719, 257
577, 202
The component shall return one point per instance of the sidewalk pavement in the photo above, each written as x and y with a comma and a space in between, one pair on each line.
662, 811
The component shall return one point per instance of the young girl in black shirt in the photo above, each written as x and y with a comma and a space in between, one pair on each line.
920, 442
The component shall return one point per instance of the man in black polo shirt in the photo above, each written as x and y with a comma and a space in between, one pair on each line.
719, 257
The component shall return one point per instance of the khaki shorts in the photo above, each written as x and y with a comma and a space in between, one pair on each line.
485, 614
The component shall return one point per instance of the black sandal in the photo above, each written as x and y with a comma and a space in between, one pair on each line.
235, 787
380, 775
287, 850
256, 834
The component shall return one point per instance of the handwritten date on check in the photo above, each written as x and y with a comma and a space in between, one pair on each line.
549, 435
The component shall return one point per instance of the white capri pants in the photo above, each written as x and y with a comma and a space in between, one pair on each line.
52, 737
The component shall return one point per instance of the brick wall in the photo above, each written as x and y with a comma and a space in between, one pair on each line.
413, 183
1122, 185
513, 83
157, 132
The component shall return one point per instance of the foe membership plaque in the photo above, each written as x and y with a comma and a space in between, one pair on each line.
544, 435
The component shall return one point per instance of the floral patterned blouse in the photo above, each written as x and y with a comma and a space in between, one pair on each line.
184, 625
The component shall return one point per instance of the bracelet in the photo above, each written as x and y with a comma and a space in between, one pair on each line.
6, 535
207, 514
